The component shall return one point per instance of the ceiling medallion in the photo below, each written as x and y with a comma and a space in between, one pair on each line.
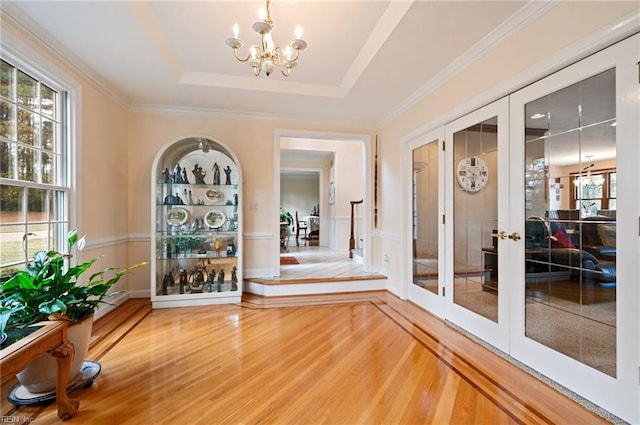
267, 56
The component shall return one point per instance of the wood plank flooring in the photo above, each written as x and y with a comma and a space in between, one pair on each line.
364, 358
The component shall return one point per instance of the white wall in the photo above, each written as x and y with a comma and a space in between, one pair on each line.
299, 193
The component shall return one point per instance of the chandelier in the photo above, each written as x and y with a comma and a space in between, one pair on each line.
589, 181
267, 56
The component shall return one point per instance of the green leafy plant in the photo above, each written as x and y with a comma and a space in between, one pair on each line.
285, 216
50, 287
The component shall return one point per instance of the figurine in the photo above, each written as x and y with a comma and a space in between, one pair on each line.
197, 282
234, 278
220, 280
166, 282
210, 280
185, 180
169, 200
227, 171
218, 246
199, 174
231, 249
183, 280
166, 175
177, 172
216, 173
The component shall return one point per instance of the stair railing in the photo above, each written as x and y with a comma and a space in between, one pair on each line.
352, 237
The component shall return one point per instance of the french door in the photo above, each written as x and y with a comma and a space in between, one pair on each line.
477, 163
456, 261
524, 228
574, 188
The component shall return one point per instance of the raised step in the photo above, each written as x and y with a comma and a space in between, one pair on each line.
318, 285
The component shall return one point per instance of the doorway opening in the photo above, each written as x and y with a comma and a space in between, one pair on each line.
310, 170
300, 206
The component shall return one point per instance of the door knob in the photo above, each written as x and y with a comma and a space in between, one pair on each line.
515, 236
502, 235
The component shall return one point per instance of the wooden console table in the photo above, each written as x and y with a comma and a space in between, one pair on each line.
50, 338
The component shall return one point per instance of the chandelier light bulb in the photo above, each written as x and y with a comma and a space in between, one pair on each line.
288, 52
270, 44
236, 30
299, 32
254, 52
262, 13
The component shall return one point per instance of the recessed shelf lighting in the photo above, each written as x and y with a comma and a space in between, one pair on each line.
537, 116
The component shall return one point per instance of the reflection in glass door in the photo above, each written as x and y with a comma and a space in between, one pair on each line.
570, 221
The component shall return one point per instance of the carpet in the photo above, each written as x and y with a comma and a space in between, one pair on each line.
288, 259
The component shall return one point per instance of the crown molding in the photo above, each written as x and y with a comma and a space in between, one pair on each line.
248, 115
611, 34
32, 31
523, 17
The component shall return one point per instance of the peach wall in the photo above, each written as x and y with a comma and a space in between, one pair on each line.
252, 141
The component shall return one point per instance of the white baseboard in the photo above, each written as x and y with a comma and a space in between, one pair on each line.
140, 294
113, 303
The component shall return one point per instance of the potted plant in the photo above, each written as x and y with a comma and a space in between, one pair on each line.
286, 217
50, 288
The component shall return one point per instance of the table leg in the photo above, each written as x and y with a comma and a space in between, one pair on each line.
67, 407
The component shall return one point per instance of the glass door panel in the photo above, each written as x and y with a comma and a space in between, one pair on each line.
475, 260
426, 216
570, 246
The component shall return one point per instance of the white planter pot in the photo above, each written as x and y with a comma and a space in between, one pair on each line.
40, 375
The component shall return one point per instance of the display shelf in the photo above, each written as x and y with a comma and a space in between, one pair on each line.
196, 243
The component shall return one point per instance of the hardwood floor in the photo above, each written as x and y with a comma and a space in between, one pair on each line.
335, 359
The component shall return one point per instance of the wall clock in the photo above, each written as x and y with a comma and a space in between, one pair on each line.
472, 174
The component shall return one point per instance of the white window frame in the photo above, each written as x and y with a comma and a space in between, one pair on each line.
64, 187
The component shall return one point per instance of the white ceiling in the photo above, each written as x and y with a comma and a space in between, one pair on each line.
366, 60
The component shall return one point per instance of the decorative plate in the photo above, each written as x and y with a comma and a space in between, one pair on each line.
215, 219
177, 216
215, 196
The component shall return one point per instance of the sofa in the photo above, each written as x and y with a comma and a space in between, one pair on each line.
585, 246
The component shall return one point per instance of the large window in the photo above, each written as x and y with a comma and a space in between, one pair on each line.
594, 192
34, 182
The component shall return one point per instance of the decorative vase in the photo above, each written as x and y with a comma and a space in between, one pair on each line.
40, 375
